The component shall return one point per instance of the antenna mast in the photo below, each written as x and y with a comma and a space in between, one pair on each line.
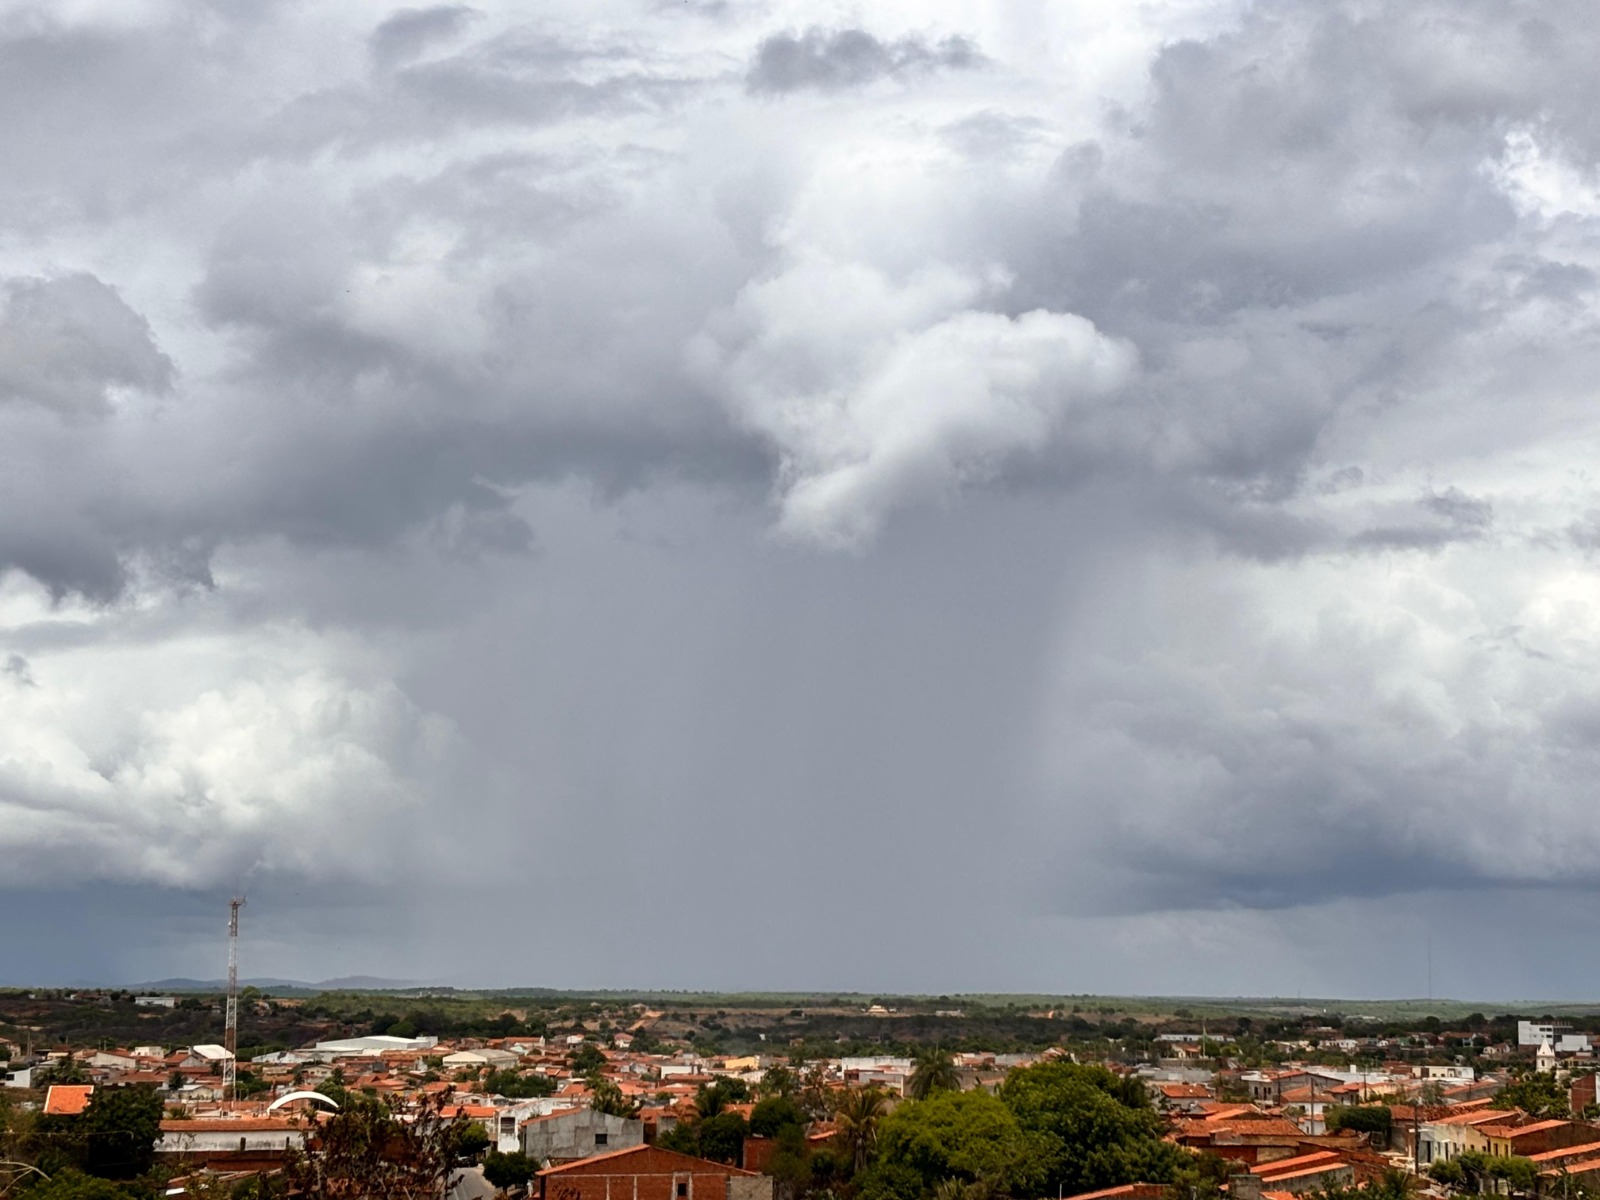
230, 1036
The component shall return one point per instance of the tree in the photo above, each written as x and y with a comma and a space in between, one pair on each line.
606, 1096
587, 1059
473, 1140
775, 1114
71, 1184
63, 1070
1537, 1093
507, 1170
857, 1113
1375, 1119
1096, 1129
113, 1138
721, 1138
932, 1070
365, 1150
970, 1136
516, 1086
1465, 1172
780, 1081
711, 1098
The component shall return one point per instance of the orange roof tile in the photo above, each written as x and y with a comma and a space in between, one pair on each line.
67, 1099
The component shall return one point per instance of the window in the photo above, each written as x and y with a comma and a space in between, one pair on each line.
600, 1139
683, 1189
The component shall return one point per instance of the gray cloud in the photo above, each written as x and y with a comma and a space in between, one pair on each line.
406, 33
68, 343
1210, 430
833, 60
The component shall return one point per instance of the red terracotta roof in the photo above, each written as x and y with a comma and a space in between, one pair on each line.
587, 1164
67, 1099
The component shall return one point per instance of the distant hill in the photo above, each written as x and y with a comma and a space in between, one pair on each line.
347, 983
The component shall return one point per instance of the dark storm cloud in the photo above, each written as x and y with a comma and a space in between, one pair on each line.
440, 380
833, 60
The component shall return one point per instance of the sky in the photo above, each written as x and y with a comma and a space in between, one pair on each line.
963, 495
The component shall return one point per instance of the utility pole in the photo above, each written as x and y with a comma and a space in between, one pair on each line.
230, 1036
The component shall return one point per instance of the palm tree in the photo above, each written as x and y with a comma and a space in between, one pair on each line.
857, 1113
932, 1070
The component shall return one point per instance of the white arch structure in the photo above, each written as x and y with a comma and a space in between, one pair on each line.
282, 1100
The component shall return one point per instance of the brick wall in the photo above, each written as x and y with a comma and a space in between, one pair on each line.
647, 1173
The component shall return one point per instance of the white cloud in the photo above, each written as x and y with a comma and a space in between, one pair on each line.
877, 394
198, 758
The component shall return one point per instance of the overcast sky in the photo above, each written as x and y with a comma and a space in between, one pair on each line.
938, 495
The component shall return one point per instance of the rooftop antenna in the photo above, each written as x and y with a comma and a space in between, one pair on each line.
230, 1036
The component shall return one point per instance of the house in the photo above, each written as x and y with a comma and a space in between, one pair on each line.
207, 1057
1127, 1191
578, 1133
155, 1001
495, 1060
230, 1143
649, 1173
1536, 1137
1181, 1096
371, 1046
67, 1100
1449, 1136
1319, 1170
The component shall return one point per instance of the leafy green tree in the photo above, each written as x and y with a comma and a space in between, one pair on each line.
71, 1184
774, 1114
473, 1140
1094, 1130
587, 1059
516, 1086
113, 1138
721, 1138
1537, 1093
507, 1170
1373, 1119
365, 1150
970, 1136
932, 1070
885, 1180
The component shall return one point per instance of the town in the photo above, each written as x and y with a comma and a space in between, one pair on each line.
563, 1096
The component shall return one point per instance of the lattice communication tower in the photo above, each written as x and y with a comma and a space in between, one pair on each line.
230, 1036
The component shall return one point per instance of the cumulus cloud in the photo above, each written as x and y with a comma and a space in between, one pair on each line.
832, 60
877, 394
199, 760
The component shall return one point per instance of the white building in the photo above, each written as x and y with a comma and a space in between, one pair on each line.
1561, 1038
486, 1056
371, 1047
